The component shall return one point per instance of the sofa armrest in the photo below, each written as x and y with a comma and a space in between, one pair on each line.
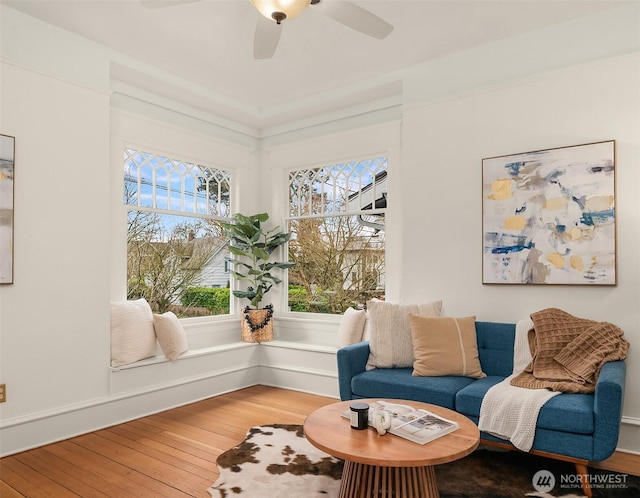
607, 409
352, 360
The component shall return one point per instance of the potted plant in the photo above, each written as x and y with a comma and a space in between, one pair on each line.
251, 248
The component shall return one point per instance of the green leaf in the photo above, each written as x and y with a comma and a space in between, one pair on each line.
239, 252
286, 265
241, 219
244, 294
245, 264
262, 217
256, 237
260, 253
274, 264
279, 239
255, 301
238, 276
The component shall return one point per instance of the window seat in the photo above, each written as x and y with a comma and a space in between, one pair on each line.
213, 369
318, 348
191, 353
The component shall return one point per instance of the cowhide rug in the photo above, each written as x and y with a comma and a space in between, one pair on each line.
276, 461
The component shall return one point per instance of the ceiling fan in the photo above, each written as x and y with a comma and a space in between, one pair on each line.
274, 12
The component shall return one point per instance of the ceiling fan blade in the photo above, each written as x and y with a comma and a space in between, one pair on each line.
355, 17
266, 38
155, 4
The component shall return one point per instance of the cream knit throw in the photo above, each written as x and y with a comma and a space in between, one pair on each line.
511, 412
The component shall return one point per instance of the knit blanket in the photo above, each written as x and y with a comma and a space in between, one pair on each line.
569, 352
511, 412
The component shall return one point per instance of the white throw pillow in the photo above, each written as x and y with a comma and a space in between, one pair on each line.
351, 327
366, 334
171, 335
390, 344
133, 337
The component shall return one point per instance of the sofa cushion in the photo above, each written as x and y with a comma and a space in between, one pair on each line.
398, 383
469, 398
568, 413
390, 343
565, 412
495, 347
445, 346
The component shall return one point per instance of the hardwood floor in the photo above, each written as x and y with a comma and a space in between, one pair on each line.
170, 454
625, 463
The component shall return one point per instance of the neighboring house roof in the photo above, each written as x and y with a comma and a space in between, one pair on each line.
203, 250
195, 253
371, 196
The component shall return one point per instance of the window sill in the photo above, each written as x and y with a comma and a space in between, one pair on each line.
192, 353
316, 348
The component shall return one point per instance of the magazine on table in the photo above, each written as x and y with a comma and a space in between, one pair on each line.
417, 425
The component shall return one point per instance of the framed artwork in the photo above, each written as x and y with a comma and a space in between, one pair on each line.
548, 216
7, 152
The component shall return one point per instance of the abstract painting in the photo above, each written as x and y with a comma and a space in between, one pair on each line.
7, 149
548, 216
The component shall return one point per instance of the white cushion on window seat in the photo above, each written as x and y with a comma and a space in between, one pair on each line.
133, 337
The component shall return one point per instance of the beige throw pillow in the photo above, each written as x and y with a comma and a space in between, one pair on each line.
390, 344
171, 335
133, 337
445, 346
351, 327
366, 333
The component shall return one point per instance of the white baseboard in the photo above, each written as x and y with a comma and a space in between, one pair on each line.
629, 439
156, 385
201, 375
45, 428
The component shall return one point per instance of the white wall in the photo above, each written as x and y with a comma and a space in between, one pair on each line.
70, 126
70, 120
70, 261
443, 146
435, 229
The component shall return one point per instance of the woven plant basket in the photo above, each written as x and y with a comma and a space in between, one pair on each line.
263, 333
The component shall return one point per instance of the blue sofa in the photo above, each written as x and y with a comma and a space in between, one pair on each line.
575, 427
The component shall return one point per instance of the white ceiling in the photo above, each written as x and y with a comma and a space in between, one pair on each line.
205, 48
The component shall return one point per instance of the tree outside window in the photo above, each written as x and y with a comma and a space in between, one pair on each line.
175, 246
337, 222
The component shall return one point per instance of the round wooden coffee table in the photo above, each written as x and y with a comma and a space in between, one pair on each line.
388, 466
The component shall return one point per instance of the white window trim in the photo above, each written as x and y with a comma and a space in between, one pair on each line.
231, 174
284, 298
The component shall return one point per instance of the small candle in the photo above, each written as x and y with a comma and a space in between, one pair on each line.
359, 415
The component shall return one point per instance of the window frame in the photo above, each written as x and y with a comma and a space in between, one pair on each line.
288, 218
127, 207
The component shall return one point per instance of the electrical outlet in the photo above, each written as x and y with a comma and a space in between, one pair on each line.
3, 393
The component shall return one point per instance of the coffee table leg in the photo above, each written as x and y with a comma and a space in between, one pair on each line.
371, 481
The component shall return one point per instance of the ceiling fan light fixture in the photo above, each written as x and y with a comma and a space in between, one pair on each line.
279, 10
